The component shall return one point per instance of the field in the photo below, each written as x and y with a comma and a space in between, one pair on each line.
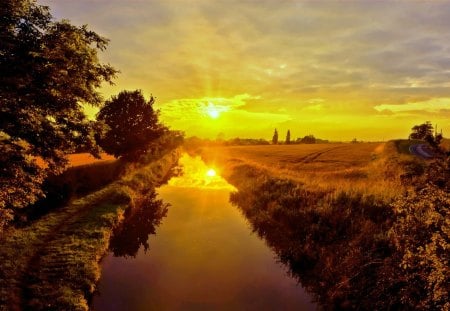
361, 167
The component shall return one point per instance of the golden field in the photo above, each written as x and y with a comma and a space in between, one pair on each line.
78, 159
367, 168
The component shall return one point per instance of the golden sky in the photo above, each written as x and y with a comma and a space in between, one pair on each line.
336, 69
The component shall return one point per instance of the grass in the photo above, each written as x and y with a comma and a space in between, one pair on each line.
53, 264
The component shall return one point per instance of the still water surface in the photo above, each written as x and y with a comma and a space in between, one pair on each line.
203, 256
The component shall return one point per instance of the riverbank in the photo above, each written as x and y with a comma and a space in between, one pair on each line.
53, 263
360, 226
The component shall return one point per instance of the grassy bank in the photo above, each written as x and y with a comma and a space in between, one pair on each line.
53, 263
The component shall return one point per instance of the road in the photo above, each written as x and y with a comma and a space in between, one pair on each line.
422, 150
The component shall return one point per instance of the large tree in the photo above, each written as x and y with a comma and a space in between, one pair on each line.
48, 70
133, 124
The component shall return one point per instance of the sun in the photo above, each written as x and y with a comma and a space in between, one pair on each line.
211, 172
212, 111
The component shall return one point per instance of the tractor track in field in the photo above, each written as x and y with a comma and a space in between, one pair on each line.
314, 155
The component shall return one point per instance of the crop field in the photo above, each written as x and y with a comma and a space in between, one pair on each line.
367, 168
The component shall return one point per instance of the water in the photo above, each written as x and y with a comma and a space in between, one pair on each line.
203, 255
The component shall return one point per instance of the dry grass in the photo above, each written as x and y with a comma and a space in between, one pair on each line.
78, 159
366, 168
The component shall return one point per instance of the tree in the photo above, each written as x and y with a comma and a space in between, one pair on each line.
133, 124
275, 137
423, 131
48, 70
288, 137
308, 139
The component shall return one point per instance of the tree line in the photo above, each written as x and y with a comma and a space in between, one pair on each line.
49, 70
307, 139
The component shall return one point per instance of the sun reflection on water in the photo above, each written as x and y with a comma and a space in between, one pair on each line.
211, 172
196, 174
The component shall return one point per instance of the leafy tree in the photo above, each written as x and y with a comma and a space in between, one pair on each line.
275, 137
288, 137
48, 70
133, 124
423, 131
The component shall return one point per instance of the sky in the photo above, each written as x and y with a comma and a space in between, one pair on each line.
339, 70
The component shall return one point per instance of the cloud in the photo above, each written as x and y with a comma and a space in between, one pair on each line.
192, 108
436, 105
193, 115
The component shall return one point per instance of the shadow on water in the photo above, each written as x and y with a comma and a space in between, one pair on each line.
138, 226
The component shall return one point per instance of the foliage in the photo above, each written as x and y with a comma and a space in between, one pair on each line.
48, 70
133, 124
288, 137
421, 235
422, 131
275, 137
308, 139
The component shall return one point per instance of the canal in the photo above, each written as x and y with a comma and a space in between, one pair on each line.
197, 253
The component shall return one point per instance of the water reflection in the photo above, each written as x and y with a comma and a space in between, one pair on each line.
203, 257
138, 226
196, 174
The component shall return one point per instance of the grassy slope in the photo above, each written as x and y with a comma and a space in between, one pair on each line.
54, 262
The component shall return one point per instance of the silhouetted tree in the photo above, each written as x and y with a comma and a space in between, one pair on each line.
133, 124
275, 137
422, 131
288, 137
308, 139
48, 69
